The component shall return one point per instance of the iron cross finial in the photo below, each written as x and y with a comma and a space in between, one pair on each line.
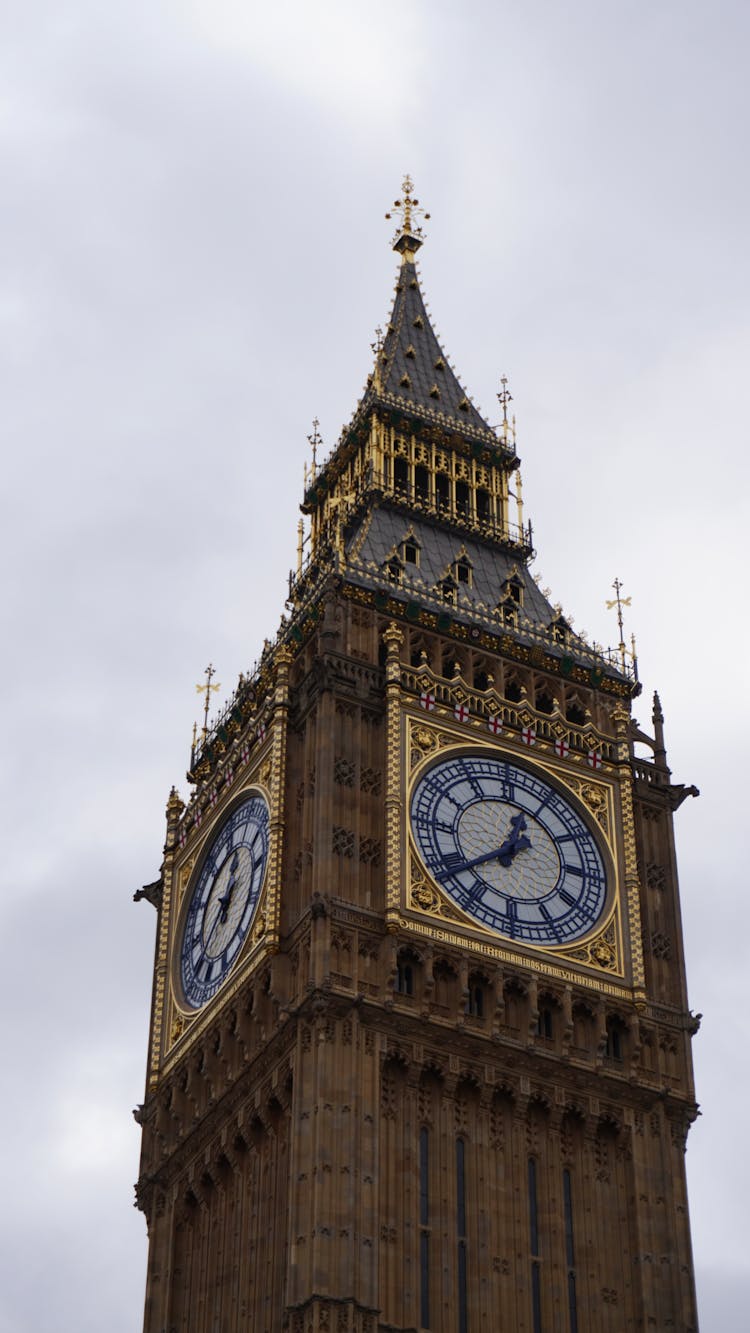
206, 689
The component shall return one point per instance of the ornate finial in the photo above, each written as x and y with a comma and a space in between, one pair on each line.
504, 397
408, 237
620, 602
657, 717
314, 440
206, 689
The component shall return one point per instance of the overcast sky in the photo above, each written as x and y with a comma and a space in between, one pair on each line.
194, 260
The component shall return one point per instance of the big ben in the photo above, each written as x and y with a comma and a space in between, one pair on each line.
420, 1044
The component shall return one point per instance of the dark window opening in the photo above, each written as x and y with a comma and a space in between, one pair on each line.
483, 505
411, 553
448, 590
475, 1002
404, 978
513, 692
463, 571
422, 484
462, 498
481, 679
544, 702
575, 714
513, 590
442, 493
544, 1022
613, 1048
394, 571
401, 475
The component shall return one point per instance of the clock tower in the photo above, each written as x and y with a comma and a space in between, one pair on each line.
420, 1045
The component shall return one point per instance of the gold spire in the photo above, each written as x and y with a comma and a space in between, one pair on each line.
314, 440
620, 602
409, 236
504, 397
206, 689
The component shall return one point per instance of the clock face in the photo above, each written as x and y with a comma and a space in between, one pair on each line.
509, 848
223, 901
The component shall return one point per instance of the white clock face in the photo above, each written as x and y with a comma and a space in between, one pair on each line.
224, 899
512, 850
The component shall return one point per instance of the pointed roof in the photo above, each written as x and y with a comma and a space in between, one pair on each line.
412, 372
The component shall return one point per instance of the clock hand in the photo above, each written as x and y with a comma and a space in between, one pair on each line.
224, 901
516, 842
227, 897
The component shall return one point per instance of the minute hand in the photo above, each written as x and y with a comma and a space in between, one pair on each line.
504, 854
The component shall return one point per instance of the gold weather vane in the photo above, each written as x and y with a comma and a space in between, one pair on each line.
620, 602
206, 689
410, 209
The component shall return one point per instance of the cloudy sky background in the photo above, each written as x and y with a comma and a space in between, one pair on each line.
194, 260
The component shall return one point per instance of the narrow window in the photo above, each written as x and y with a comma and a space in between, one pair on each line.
475, 1002
544, 1022
462, 498
461, 1230
404, 978
463, 572
394, 571
424, 1235
570, 1252
401, 475
536, 1295
613, 1049
483, 505
422, 484
411, 553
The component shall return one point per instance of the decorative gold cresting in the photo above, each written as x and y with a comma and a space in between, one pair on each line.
409, 236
